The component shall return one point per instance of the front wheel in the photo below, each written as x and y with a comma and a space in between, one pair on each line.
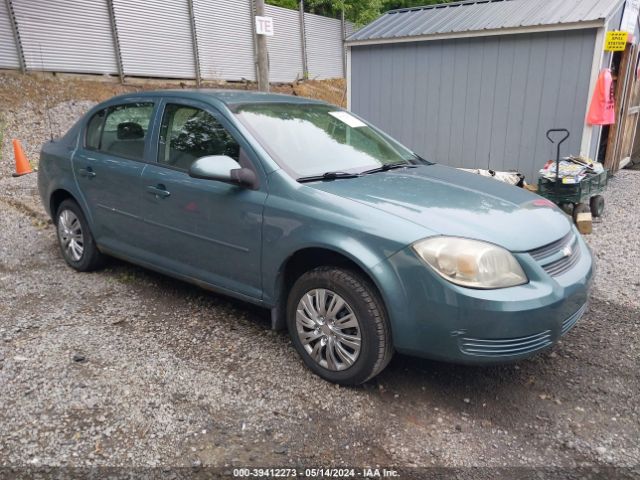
339, 326
76, 242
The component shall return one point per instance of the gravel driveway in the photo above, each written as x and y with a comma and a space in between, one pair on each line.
125, 367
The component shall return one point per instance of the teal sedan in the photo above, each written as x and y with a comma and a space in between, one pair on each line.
357, 245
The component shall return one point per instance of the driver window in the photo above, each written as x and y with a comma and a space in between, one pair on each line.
188, 133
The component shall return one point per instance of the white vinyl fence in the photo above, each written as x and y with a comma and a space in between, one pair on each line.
189, 39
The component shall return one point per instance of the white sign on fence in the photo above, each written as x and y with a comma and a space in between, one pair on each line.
630, 17
264, 26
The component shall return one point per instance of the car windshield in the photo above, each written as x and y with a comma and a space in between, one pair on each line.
314, 139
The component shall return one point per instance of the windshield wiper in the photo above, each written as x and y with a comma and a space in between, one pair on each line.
328, 176
389, 166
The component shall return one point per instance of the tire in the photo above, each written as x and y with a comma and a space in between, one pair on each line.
597, 205
580, 208
336, 359
75, 240
567, 208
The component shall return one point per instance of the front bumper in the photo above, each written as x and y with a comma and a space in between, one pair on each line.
433, 318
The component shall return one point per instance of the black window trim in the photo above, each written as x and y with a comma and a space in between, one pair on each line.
86, 130
246, 150
155, 105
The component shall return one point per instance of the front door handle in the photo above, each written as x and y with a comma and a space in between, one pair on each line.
160, 191
87, 172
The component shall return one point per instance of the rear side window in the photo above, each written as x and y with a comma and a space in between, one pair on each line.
94, 130
120, 130
188, 133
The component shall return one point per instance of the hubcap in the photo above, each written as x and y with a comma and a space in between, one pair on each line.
70, 234
328, 329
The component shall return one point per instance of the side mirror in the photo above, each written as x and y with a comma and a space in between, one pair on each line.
223, 169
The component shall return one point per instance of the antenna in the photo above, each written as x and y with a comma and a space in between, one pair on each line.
46, 100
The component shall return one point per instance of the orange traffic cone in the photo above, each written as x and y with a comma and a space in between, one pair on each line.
22, 164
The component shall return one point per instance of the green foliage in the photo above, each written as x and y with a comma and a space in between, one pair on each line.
393, 4
284, 3
359, 12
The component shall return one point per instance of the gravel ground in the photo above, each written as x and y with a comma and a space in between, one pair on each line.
128, 368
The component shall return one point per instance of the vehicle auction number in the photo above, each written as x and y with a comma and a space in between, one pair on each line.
314, 473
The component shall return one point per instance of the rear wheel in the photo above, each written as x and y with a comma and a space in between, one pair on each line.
76, 242
339, 326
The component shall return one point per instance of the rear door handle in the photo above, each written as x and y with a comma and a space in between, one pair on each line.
87, 172
160, 191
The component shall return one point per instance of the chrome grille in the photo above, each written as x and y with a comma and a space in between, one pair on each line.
573, 319
553, 248
505, 347
566, 262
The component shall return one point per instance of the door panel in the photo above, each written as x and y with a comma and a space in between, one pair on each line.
632, 109
204, 229
108, 167
622, 132
111, 186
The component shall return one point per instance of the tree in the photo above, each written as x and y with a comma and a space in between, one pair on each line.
284, 3
359, 12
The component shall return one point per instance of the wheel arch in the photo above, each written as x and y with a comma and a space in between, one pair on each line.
304, 260
56, 198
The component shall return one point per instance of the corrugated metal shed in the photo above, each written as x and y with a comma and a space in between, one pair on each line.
225, 39
324, 46
8, 51
481, 17
155, 38
477, 84
66, 36
478, 102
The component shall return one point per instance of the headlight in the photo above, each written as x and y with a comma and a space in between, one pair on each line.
471, 263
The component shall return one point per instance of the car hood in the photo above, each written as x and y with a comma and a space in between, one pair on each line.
447, 201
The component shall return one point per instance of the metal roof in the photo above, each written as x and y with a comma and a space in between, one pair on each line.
484, 17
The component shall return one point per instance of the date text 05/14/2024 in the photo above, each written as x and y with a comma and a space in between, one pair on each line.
315, 473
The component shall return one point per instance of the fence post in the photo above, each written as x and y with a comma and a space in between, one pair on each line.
16, 36
194, 41
262, 53
116, 39
343, 24
252, 6
303, 39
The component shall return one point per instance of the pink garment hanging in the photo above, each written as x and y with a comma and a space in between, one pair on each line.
602, 108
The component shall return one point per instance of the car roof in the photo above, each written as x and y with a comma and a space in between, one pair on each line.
228, 97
